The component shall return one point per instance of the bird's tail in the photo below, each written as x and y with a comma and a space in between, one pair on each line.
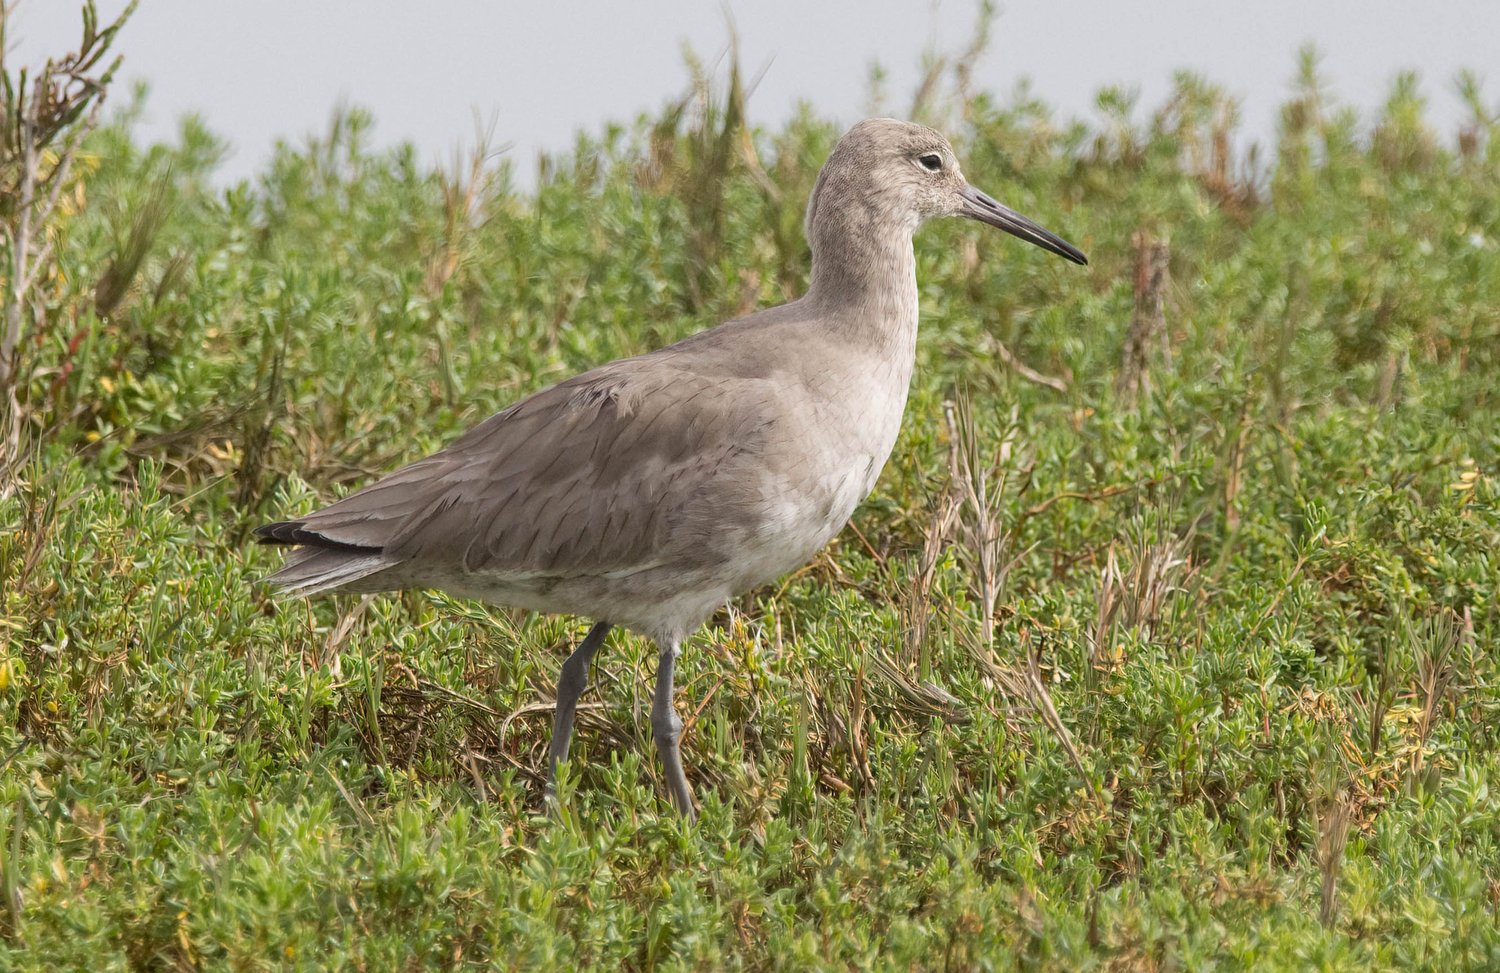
320, 564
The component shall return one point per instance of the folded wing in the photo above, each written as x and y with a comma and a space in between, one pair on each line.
597, 475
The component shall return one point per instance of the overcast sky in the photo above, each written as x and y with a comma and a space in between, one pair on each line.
258, 70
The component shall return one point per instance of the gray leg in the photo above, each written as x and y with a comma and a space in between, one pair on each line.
570, 686
666, 727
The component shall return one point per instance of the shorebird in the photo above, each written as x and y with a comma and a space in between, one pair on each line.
649, 491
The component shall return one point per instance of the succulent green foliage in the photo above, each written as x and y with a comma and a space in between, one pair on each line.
1260, 602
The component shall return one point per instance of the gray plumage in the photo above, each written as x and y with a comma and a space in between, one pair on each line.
649, 491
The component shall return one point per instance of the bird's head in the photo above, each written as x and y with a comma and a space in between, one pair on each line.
909, 173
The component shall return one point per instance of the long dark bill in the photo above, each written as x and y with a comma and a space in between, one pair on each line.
978, 206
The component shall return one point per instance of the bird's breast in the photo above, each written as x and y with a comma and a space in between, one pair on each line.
823, 464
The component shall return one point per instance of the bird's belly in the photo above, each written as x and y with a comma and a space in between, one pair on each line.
804, 511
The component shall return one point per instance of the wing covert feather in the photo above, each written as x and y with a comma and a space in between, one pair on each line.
601, 473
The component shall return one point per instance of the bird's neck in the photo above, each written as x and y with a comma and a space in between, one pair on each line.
864, 279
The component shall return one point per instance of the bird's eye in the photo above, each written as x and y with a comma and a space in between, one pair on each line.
932, 162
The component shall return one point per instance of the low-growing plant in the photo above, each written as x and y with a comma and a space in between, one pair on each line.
1193, 671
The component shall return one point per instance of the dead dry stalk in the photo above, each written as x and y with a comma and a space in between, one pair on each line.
918, 605
467, 186
988, 549
1334, 821
1148, 326
983, 484
1041, 700
1437, 643
43, 122
929, 103
1136, 596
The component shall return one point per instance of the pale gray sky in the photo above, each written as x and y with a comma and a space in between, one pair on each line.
257, 70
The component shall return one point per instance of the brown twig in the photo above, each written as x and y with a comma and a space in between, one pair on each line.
1024, 370
1149, 322
42, 125
1092, 497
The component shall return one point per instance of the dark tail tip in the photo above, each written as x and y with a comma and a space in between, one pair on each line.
295, 532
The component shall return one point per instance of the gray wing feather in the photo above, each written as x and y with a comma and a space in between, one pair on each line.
599, 474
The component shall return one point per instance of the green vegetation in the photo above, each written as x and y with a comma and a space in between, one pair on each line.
1197, 676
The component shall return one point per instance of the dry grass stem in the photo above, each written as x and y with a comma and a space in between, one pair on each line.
1334, 822
1148, 325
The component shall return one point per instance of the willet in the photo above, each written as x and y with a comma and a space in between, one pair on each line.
649, 491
